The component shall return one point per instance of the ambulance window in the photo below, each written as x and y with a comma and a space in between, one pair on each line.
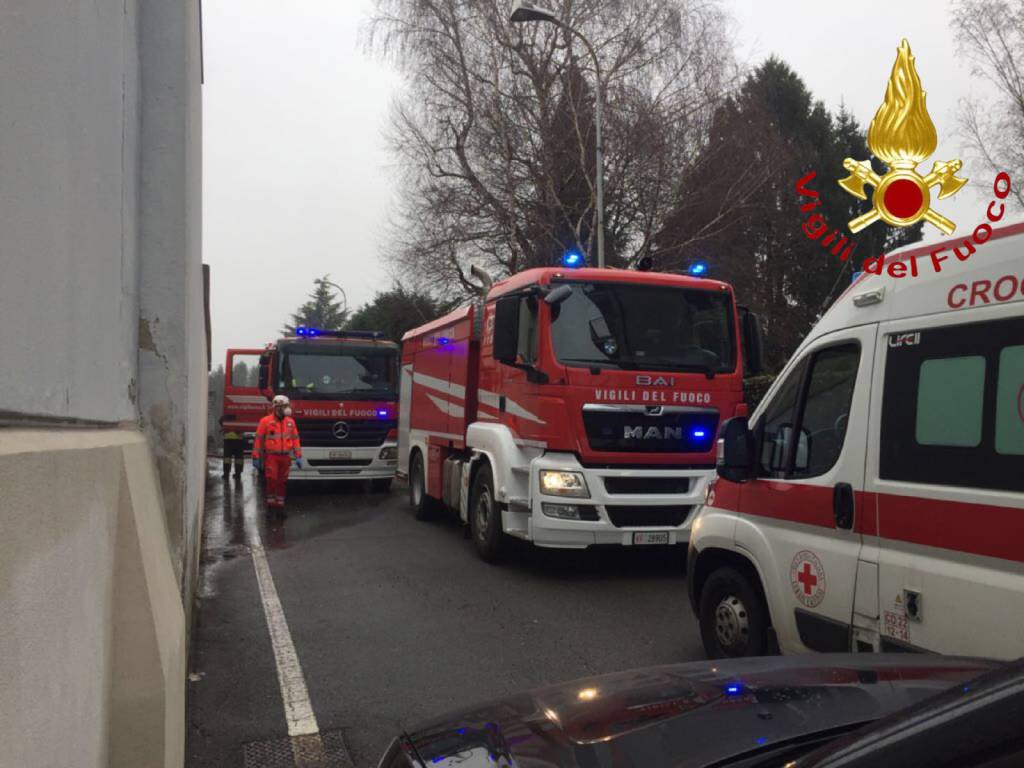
953, 406
1010, 402
826, 410
950, 401
778, 419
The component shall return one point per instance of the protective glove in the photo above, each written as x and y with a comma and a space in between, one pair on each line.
298, 463
257, 465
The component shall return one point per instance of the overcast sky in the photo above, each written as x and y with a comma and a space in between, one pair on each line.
297, 181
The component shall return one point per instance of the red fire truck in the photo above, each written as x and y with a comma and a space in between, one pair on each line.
344, 395
574, 407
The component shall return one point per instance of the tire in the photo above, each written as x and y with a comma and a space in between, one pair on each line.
485, 517
382, 485
733, 616
423, 506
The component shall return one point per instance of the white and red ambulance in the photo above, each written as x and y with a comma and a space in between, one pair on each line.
875, 501
574, 407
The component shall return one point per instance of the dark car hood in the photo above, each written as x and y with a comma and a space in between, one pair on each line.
686, 714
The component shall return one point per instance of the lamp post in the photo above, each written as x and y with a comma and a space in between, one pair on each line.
523, 11
338, 288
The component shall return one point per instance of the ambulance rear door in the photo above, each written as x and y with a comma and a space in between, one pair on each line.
949, 479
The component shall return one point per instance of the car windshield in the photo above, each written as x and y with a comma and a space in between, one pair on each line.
644, 327
331, 373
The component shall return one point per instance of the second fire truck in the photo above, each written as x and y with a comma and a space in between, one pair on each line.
343, 391
574, 407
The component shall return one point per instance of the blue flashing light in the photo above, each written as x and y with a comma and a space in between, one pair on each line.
733, 689
444, 341
382, 413
300, 331
313, 332
763, 740
699, 434
572, 259
698, 269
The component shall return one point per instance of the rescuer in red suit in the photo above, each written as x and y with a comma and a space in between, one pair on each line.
275, 448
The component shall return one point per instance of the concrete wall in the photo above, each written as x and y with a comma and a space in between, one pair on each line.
68, 189
101, 323
172, 340
92, 642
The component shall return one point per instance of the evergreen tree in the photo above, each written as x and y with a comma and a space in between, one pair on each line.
772, 123
323, 310
395, 311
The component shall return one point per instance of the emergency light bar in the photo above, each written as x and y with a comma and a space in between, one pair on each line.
308, 333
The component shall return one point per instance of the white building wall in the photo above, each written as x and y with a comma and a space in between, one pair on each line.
68, 170
101, 323
172, 341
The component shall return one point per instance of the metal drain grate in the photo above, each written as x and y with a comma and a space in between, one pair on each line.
325, 750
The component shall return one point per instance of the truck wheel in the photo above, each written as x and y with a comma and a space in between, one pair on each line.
485, 517
423, 506
382, 485
733, 616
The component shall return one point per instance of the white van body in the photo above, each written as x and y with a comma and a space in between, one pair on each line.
896, 520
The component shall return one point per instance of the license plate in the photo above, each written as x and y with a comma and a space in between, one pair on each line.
650, 538
339, 454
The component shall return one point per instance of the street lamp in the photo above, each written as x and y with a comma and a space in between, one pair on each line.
324, 281
523, 11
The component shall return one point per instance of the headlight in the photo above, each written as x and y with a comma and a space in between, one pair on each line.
556, 483
389, 453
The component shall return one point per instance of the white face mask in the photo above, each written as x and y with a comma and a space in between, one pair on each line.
288, 411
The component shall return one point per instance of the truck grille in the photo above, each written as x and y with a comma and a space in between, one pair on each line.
639, 485
632, 431
647, 517
319, 433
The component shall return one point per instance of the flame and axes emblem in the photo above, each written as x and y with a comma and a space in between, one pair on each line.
902, 135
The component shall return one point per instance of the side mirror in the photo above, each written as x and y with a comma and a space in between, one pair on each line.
506, 329
558, 295
735, 451
753, 342
264, 380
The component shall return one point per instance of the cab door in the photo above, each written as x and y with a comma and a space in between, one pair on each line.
802, 516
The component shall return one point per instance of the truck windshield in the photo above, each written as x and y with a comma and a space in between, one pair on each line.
644, 327
305, 372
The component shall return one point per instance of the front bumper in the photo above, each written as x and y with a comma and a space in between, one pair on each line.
621, 512
347, 464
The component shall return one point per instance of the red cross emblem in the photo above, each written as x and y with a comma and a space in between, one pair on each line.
807, 577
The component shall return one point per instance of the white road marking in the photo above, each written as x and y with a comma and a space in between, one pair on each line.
303, 729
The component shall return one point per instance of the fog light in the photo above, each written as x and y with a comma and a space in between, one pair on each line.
557, 483
389, 453
569, 511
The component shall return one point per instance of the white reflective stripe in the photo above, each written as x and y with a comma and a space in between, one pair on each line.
248, 399
423, 435
456, 390
487, 416
489, 398
452, 409
511, 406
530, 443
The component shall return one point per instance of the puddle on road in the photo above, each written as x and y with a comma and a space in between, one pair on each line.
235, 508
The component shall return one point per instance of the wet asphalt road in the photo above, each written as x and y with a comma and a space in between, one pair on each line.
395, 620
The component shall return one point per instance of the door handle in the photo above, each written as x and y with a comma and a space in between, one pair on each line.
843, 505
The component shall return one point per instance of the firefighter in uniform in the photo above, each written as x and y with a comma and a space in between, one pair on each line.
275, 448
234, 449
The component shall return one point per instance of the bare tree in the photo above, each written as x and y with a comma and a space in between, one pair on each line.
494, 131
991, 34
